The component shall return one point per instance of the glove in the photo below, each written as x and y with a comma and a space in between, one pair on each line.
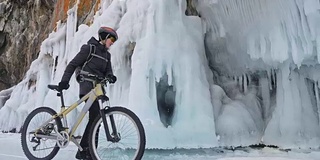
63, 85
111, 78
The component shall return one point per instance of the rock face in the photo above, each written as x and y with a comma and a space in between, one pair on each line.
24, 24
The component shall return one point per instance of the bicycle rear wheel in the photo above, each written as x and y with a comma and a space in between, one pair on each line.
36, 148
132, 141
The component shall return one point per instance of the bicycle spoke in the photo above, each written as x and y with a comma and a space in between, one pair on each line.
129, 145
39, 147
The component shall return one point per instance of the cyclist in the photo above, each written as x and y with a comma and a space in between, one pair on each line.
98, 63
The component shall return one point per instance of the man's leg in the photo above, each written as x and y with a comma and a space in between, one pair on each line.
93, 113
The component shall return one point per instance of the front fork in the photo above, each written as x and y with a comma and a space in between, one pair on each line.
114, 136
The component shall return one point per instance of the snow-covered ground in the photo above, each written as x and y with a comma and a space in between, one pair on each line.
10, 149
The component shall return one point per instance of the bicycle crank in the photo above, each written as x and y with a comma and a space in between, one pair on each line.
63, 140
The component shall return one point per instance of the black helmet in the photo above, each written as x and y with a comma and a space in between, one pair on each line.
107, 31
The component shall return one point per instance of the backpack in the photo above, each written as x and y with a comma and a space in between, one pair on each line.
79, 77
92, 51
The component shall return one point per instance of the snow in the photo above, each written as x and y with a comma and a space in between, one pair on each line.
246, 72
255, 158
10, 149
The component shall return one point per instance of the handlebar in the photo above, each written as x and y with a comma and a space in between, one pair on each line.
84, 75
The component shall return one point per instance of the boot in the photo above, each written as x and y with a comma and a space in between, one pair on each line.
84, 155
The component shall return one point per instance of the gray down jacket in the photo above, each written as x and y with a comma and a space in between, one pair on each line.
95, 65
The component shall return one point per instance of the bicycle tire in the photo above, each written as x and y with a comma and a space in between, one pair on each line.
50, 112
132, 118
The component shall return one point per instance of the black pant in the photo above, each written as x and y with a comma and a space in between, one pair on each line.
93, 113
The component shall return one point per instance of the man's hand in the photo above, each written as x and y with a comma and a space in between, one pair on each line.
111, 78
63, 85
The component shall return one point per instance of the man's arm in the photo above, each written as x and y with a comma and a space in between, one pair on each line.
109, 68
109, 73
77, 61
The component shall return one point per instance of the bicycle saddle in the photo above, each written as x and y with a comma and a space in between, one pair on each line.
54, 87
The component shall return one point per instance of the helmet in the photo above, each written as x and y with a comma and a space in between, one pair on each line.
107, 31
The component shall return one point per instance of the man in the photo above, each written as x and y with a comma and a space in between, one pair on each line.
96, 62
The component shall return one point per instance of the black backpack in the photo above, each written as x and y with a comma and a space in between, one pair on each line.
80, 77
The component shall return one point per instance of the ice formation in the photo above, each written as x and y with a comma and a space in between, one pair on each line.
242, 72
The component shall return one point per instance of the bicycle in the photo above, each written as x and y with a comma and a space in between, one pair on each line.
110, 137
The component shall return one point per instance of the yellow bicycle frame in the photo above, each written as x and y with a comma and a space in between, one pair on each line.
90, 97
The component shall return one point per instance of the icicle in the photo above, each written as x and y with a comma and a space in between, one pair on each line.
241, 83
169, 73
245, 83
274, 77
269, 72
265, 94
317, 98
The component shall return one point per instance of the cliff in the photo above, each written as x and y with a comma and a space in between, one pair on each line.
24, 24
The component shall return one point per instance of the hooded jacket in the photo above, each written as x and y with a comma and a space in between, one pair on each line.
95, 65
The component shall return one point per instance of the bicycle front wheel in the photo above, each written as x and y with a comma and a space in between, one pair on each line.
129, 130
34, 147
